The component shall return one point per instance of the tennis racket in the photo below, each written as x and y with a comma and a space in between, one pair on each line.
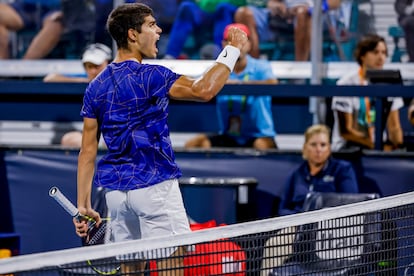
95, 235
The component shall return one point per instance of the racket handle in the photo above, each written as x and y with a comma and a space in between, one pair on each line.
55, 193
64, 201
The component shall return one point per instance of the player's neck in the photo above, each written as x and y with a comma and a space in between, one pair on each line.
124, 55
315, 168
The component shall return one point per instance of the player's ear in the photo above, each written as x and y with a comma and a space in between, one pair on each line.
132, 35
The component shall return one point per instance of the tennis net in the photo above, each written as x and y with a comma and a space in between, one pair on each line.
374, 237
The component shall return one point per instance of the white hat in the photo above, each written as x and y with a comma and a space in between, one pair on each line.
97, 54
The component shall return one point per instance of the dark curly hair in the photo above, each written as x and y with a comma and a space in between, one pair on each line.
367, 44
125, 17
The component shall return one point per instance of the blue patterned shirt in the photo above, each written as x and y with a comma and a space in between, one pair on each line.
130, 102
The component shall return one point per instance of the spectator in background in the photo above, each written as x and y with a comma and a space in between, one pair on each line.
80, 25
95, 58
354, 117
405, 11
256, 15
300, 12
319, 172
27, 15
245, 121
264, 18
198, 18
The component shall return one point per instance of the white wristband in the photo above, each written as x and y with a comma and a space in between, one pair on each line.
229, 56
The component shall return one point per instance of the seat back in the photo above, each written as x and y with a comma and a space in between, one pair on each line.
318, 200
336, 244
397, 34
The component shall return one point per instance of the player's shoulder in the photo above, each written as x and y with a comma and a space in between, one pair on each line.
340, 163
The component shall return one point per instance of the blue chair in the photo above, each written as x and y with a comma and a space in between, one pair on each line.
397, 34
344, 246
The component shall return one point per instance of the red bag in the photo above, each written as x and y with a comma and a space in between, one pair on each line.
203, 225
222, 257
214, 258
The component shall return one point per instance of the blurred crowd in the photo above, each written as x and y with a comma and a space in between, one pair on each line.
192, 29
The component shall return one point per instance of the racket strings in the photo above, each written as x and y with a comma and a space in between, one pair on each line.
96, 235
103, 270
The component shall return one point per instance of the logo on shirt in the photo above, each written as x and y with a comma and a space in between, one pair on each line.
328, 178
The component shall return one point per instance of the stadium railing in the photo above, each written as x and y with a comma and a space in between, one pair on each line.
69, 97
284, 70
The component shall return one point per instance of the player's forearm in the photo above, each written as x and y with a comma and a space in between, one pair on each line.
86, 168
212, 81
210, 84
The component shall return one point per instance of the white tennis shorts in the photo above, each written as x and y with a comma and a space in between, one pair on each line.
148, 212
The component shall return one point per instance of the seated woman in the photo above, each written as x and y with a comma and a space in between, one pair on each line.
319, 172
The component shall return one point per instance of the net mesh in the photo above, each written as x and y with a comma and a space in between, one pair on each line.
374, 237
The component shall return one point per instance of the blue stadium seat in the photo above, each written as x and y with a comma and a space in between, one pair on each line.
397, 34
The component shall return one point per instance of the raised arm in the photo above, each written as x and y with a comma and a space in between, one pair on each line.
212, 81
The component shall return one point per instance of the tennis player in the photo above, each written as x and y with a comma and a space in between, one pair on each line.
128, 104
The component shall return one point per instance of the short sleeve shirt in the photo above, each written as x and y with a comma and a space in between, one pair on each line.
130, 101
352, 105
